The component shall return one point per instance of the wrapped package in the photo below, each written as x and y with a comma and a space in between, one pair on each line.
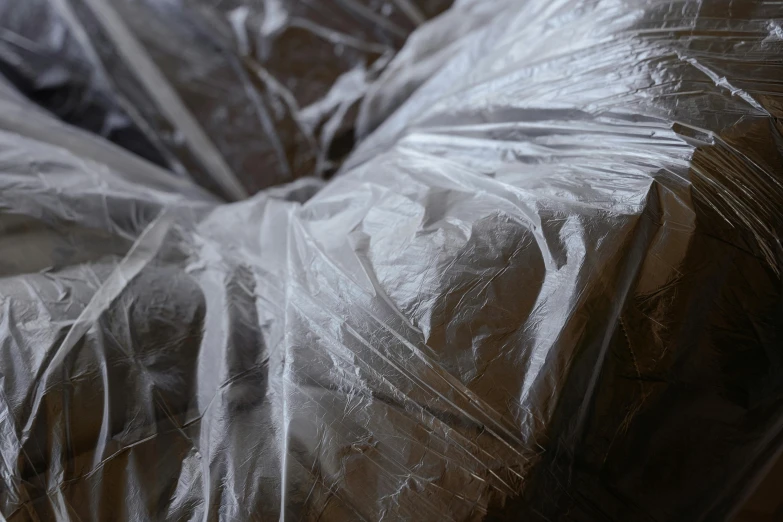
545, 288
236, 95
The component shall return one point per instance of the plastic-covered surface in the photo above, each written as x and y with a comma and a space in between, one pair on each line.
239, 95
546, 288
45, 61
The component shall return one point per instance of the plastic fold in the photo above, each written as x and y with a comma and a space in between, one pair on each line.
236, 95
544, 286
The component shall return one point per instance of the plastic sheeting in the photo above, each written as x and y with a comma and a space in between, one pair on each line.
547, 287
237, 95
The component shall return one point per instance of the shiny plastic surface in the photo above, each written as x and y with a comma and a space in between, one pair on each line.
546, 288
237, 95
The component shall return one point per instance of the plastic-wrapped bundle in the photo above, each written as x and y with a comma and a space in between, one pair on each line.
546, 288
238, 95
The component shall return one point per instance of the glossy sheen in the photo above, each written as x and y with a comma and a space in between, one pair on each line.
237, 95
547, 287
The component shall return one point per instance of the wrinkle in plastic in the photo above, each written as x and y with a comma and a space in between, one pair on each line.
237, 96
546, 288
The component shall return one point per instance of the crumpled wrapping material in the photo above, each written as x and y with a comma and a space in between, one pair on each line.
547, 287
237, 95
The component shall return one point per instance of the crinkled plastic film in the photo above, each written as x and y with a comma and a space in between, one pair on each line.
545, 287
236, 95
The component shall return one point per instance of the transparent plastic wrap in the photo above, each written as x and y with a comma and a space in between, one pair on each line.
546, 288
238, 95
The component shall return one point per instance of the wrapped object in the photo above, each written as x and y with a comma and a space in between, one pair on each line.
547, 287
237, 95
